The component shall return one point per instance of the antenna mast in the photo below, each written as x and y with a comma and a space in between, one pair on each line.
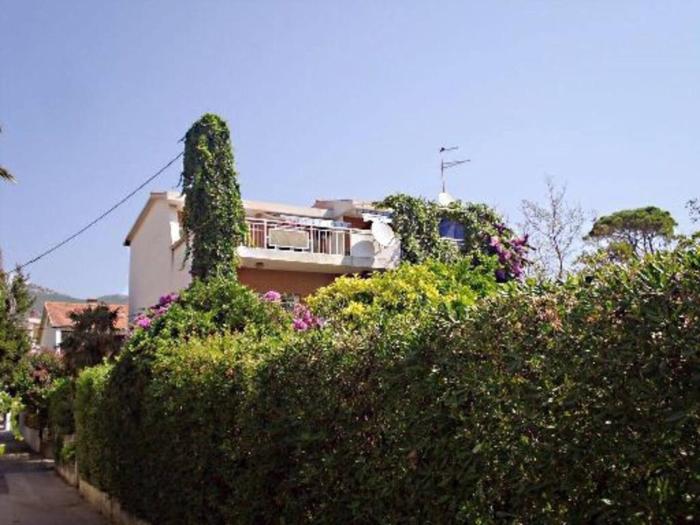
446, 165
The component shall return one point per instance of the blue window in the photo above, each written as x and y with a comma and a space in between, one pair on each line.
451, 229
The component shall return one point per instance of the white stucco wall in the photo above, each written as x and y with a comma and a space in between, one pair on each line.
152, 266
50, 336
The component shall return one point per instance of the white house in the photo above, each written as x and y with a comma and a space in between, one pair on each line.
56, 321
291, 249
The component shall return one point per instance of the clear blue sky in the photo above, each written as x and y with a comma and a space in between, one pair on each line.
338, 99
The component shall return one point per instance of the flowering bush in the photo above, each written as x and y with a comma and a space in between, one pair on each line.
272, 296
145, 319
302, 317
480, 229
511, 253
218, 305
34, 378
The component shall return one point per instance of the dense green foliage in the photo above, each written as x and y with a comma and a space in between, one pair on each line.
33, 380
417, 223
576, 402
12, 406
219, 305
214, 219
14, 340
401, 299
94, 433
642, 230
61, 413
94, 337
161, 399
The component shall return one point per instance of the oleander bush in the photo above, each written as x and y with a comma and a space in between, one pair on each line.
575, 402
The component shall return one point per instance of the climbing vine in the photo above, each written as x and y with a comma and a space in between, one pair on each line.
416, 222
479, 228
214, 218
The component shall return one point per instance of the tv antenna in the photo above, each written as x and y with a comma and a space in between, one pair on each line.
447, 164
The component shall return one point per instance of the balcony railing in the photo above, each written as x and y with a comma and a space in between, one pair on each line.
284, 235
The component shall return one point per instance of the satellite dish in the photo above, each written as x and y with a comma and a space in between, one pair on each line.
445, 199
383, 233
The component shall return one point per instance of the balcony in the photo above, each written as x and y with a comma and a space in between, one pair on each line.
303, 245
288, 236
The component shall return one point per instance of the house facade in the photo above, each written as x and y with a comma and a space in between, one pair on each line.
292, 249
56, 322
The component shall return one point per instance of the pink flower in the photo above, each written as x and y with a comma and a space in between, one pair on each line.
304, 319
299, 325
272, 297
168, 299
143, 322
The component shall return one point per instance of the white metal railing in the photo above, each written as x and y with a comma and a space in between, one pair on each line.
288, 235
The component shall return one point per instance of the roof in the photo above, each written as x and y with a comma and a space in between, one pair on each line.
58, 313
287, 209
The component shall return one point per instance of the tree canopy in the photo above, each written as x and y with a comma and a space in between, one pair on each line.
644, 230
555, 230
693, 206
93, 338
214, 218
15, 302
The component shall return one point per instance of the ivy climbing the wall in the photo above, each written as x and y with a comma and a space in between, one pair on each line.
416, 222
214, 218
478, 229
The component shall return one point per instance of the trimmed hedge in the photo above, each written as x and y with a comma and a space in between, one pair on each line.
95, 435
542, 404
60, 413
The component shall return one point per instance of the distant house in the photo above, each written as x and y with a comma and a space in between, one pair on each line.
56, 321
292, 249
33, 324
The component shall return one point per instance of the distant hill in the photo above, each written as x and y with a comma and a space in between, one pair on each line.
115, 298
42, 294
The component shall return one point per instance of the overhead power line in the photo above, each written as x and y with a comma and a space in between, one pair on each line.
98, 219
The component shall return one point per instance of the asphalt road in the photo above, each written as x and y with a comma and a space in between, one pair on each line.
32, 494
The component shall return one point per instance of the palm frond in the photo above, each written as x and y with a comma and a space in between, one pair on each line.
6, 175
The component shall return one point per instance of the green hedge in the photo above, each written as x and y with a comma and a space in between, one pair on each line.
60, 413
95, 436
542, 404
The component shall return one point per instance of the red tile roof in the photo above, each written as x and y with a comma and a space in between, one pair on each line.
59, 313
